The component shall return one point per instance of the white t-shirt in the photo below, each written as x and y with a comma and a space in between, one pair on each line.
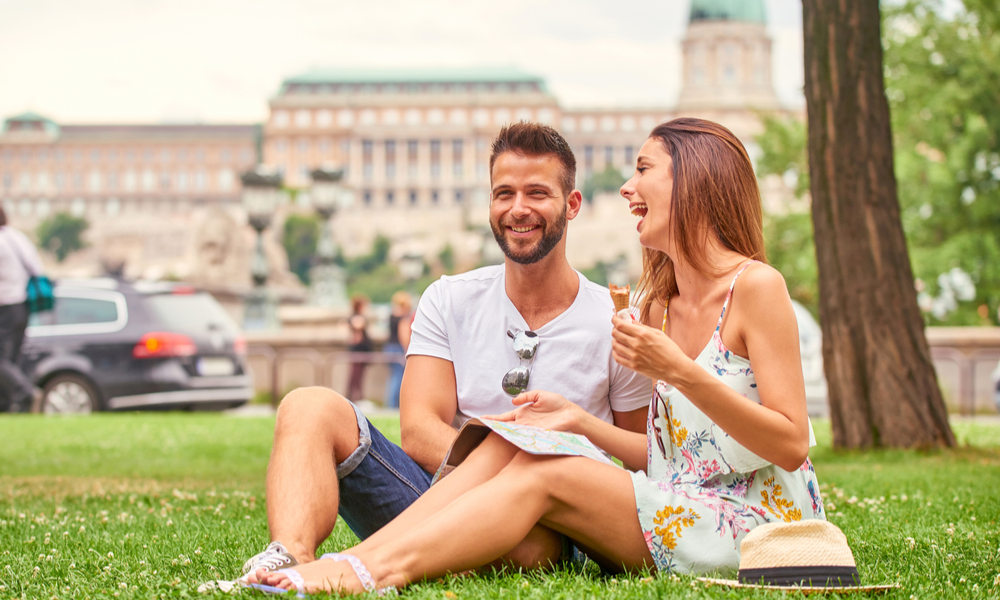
14, 247
465, 318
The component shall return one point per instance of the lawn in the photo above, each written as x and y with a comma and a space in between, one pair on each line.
149, 506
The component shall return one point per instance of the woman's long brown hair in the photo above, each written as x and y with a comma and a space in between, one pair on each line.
714, 193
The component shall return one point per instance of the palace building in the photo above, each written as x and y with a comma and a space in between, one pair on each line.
413, 144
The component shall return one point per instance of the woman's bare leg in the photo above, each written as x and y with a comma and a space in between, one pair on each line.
589, 501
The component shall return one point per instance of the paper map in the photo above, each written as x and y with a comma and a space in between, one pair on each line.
545, 441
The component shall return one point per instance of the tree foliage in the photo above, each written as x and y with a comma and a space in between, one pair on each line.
300, 238
62, 233
942, 73
608, 180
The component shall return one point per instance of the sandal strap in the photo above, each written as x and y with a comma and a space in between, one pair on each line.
360, 570
295, 578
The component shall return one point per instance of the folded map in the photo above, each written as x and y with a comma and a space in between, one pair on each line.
530, 439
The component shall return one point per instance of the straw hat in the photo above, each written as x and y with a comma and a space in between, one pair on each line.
810, 556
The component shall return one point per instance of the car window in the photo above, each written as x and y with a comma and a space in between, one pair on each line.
191, 313
77, 311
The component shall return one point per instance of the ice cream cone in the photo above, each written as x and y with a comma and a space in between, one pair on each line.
619, 295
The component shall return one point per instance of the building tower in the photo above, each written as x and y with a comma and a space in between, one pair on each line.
727, 57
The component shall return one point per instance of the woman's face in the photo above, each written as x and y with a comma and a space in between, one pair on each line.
648, 193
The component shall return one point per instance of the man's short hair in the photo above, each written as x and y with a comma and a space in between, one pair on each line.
535, 139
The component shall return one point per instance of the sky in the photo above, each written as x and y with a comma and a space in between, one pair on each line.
218, 61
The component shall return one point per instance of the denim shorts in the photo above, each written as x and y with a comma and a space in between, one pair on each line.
377, 481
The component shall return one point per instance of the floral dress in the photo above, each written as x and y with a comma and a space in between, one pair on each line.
702, 490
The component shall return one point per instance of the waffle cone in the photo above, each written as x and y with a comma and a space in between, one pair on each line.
619, 295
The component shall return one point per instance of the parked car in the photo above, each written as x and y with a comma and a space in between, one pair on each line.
112, 345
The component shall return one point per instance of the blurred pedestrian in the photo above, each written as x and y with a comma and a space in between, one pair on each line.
359, 342
19, 261
396, 344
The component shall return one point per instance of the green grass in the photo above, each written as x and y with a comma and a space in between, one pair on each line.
149, 506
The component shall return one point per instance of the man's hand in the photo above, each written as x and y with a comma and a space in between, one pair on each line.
543, 409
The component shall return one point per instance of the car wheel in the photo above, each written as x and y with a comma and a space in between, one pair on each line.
69, 395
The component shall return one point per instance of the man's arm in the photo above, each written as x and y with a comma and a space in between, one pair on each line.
428, 401
633, 420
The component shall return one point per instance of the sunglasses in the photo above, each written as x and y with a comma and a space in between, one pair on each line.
525, 345
657, 400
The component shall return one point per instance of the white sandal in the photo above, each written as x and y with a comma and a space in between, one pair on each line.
362, 572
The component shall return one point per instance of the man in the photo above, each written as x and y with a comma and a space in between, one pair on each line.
18, 262
459, 351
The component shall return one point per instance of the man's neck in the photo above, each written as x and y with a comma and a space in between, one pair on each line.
541, 291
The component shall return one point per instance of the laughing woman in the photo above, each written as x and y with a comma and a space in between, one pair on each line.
727, 435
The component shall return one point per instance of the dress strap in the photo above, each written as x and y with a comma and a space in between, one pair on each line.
729, 295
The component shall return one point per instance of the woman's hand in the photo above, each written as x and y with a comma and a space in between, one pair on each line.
542, 409
646, 350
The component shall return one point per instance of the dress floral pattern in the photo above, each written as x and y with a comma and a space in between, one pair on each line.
696, 504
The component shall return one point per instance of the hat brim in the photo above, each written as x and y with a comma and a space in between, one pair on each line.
863, 589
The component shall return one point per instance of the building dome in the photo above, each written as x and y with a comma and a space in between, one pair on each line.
745, 11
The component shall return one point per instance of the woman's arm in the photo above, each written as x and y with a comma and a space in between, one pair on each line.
777, 429
551, 411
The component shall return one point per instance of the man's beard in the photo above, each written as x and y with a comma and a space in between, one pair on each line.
551, 234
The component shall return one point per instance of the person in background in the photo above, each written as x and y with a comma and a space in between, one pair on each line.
398, 341
359, 342
18, 261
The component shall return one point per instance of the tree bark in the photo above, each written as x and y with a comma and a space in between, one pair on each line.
883, 390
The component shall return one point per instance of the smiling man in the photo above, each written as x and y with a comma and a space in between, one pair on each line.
327, 457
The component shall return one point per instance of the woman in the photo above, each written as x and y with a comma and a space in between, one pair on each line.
359, 342
726, 446
398, 341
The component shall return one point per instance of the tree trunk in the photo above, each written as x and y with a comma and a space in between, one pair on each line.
883, 388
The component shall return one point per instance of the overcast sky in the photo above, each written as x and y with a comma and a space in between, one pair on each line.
220, 60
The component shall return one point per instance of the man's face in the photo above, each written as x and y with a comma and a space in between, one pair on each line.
528, 208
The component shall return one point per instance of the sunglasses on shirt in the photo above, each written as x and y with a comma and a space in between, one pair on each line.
525, 345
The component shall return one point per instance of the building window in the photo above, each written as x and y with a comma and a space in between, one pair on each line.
226, 179
368, 117
280, 119
523, 114
225, 155
58, 155
412, 116
609, 156
303, 118
481, 117
324, 147
200, 179
390, 159
148, 180
182, 154
302, 147
545, 116
366, 159
128, 181
164, 181
367, 198
183, 181
569, 124
112, 207
459, 197
147, 155
413, 197
629, 156
165, 155
345, 117
412, 159
628, 123
112, 180
95, 155
199, 154
435, 116
324, 118
435, 159
78, 207
459, 116
390, 198
246, 155
129, 155
588, 160
456, 158
435, 198
390, 116
588, 124
78, 181
501, 116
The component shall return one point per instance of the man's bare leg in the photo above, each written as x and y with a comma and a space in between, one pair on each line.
316, 429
